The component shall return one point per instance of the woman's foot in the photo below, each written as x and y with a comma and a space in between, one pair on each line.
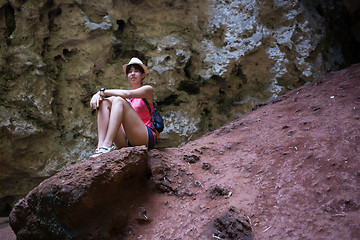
101, 150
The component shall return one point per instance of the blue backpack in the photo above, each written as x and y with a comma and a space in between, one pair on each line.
156, 118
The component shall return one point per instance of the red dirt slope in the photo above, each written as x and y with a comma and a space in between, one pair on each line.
291, 168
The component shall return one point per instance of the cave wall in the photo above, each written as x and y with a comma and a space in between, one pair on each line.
210, 62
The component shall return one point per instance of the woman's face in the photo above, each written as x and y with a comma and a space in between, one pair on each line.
135, 76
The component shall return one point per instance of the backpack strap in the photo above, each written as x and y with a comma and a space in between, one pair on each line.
151, 114
152, 117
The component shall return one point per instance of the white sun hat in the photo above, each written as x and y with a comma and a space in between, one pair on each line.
137, 61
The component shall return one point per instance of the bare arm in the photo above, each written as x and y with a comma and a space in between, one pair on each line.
142, 92
145, 91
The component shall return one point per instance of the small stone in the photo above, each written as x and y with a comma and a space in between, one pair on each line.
191, 159
206, 166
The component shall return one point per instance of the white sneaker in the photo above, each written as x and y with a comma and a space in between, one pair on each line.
101, 150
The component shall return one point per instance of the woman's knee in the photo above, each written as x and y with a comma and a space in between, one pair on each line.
104, 104
119, 101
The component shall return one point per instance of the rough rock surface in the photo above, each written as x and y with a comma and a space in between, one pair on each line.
210, 62
88, 200
287, 170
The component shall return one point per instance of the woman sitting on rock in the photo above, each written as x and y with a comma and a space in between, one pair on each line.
123, 118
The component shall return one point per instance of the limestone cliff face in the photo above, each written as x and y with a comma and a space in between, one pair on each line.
210, 61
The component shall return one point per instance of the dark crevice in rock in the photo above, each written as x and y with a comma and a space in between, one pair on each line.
136, 2
192, 83
339, 25
69, 53
10, 22
191, 86
54, 13
121, 26
172, 99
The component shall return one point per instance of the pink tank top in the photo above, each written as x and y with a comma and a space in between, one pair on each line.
140, 107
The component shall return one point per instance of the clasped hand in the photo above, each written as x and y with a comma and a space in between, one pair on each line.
95, 100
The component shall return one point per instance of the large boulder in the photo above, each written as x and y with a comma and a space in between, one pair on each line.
88, 200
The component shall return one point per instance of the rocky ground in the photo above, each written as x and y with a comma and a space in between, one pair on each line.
288, 170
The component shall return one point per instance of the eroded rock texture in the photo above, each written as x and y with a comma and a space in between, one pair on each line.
89, 200
210, 62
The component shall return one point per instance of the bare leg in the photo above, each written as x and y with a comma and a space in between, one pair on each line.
103, 118
116, 118
133, 128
